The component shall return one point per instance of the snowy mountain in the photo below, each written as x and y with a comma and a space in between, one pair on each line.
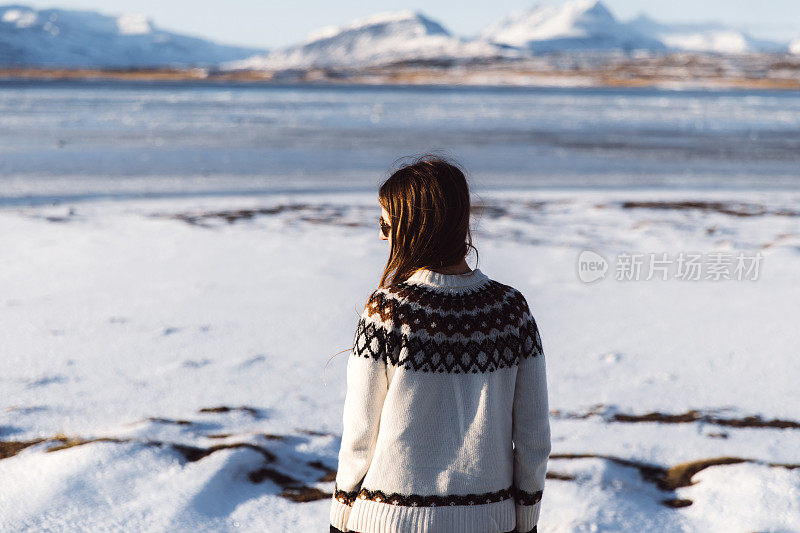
66, 38
378, 39
703, 37
576, 25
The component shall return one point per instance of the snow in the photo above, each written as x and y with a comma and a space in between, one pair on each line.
377, 19
731, 42
794, 47
580, 24
134, 24
374, 40
20, 18
69, 38
704, 37
550, 22
577, 25
135, 320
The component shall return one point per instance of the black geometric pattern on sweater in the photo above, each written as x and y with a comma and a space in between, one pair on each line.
527, 498
435, 300
343, 496
452, 355
415, 500
493, 303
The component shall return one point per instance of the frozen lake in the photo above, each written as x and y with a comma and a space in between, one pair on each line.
81, 139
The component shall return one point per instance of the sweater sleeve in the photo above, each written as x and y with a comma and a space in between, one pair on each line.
367, 384
531, 425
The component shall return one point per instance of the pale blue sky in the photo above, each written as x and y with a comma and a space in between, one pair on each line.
270, 23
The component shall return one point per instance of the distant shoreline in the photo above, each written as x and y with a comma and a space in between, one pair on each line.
784, 77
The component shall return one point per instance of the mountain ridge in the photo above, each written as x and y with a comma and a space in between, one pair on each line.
576, 25
59, 38
82, 38
704, 37
381, 38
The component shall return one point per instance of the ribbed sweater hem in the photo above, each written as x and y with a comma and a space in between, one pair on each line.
369, 516
527, 516
339, 514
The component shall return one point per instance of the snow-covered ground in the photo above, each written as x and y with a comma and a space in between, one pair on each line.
164, 361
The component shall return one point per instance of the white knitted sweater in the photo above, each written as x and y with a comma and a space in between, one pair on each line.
447, 371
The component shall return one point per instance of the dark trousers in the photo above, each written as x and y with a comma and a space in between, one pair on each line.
334, 530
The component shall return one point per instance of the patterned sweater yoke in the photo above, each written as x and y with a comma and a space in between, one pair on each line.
445, 425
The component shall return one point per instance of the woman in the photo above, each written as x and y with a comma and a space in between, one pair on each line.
447, 371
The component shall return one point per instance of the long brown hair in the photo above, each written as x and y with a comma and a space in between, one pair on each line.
428, 203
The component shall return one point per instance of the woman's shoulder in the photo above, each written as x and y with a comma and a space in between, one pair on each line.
417, 324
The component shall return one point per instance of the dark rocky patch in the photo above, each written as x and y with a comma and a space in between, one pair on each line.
233, 215
195, 453
314, 433
271, 436
264, 473
178, 422
737, 209
611, 415
225, 409
329, 473
305, 494
676, 503
47, 380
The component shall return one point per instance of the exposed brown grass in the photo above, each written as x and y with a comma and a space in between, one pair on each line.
681, 475
560, 476
764, 72
667, 479
671, 478
11, 448
291, 488
70, 442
